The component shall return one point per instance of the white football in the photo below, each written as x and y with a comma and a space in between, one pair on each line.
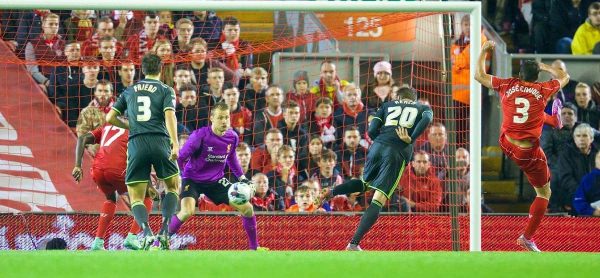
239, 193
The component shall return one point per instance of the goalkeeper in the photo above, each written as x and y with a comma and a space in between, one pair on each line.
203, 159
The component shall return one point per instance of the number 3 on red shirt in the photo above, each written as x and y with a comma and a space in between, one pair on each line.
522, 111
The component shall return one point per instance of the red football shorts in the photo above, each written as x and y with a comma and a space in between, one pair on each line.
109, 180
531, 160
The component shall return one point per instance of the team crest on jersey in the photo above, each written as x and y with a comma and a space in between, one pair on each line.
228, 148
210, 149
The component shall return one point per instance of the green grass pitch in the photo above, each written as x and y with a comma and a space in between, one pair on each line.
283, 264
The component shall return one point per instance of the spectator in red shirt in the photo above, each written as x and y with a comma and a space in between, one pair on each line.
300, 94
232, 47
104, 28
321, 122
141, 43
270, 116
264, 158
421, 189
241, 117
264, 197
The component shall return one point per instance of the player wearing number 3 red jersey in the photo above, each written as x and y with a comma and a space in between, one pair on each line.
108, 171
522, 102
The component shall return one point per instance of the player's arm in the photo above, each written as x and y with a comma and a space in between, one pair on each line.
376, 123
83, 140
557, 73
426, 118
113, 119
171, 122
480, 74
192, 145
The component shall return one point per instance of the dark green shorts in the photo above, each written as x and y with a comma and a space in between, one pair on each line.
145, 151
383, 168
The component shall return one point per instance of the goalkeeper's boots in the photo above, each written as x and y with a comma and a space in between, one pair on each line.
147, 242
556, 109
528, 244
131, 242
353, 247
98, 244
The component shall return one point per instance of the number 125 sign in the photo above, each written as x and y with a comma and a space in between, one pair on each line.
367, 27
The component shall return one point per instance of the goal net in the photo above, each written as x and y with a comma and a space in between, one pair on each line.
303, 75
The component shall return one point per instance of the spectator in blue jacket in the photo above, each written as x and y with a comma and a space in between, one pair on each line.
587, 197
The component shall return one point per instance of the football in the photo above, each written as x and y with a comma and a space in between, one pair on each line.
239, 193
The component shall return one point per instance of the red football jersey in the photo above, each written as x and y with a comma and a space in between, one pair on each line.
112, 153
523, 105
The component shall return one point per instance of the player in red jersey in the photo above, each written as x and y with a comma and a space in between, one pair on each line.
108, 171
522, 102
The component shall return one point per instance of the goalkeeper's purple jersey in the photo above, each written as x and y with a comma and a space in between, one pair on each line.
204, 155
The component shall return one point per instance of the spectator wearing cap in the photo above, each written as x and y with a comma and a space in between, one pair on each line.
301, 95
379, 90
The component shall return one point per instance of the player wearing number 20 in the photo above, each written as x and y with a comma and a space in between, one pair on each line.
522, 102
150, 108
395, 126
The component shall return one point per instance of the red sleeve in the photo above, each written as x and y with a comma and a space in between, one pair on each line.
247, 118
550, 87
89, 48
256, 160
97, 133
497, 82
435, 195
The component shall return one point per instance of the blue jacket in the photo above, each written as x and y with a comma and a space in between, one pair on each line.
587, 193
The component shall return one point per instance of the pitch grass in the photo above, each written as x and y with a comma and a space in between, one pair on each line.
284, 264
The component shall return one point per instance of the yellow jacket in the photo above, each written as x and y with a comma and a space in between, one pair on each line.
586, 37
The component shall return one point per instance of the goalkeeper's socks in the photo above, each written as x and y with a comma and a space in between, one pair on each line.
106, 216
351, 186
168, 206
366, 221
135, 228
174, 225
249, 224
141, 216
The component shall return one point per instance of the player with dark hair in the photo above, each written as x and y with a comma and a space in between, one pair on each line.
203, 159
396, 125
522, 102
108, 172
150, 108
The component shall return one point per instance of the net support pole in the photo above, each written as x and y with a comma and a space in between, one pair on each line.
475, 135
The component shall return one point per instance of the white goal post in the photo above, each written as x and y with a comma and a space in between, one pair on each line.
472, 8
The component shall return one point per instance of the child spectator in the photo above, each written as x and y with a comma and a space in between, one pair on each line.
327, 174
310, 164
305, 200
321, 122
300, 94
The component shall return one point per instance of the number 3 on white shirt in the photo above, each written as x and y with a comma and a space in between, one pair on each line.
522, 112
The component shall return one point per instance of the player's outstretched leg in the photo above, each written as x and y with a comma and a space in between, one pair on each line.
249, 223
131, 241
351, 186
188, 206
367, 220
137, 192
536, 214
106, 216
